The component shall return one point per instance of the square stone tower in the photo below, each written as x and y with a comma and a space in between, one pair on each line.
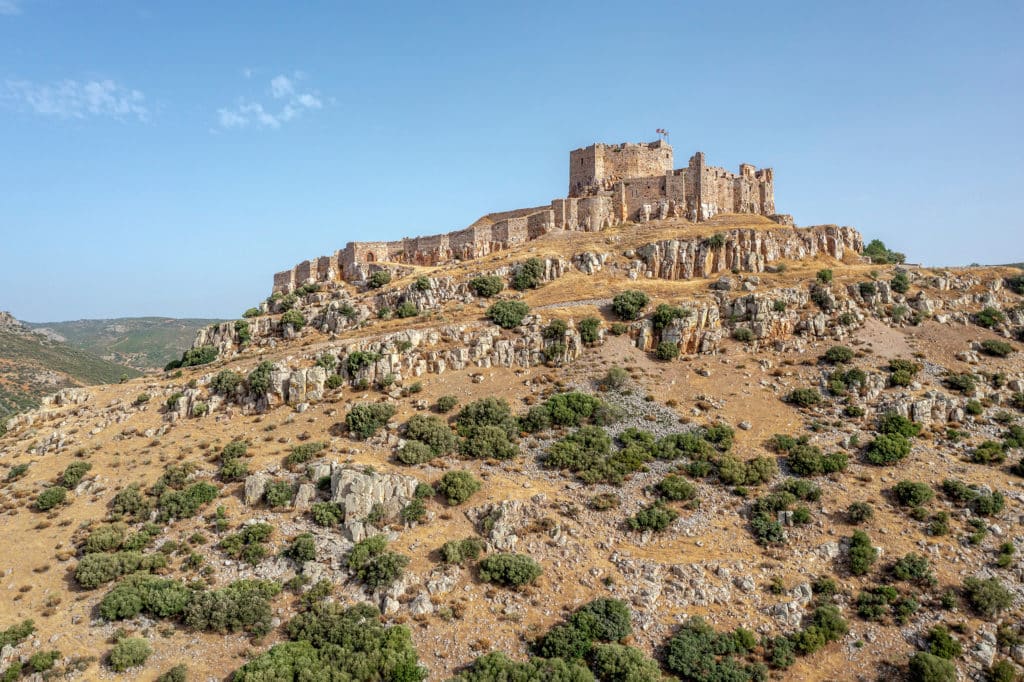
598, 167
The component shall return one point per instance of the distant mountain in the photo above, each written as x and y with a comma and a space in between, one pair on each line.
34, 364
141, 342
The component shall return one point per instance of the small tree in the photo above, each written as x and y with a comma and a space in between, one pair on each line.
508, 314
379, 279
129, 653
486, 286
862, 555
457, 486
666, 351
510, 570
629, 304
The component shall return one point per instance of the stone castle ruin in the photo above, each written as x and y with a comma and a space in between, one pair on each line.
608, 185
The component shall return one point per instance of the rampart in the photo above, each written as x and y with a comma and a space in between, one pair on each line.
608, 185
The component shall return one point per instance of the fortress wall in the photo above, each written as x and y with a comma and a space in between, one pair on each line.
601, 165
284, 281
539, 223
640, 191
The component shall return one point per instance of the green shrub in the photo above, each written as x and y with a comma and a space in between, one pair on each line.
989, 317
656, 517
414, 511
178, 673
242, 606
379, 279
252, 312
376, 567
589, 328
665, 314
105, 538
365, 419
50, 498
696, 652
359, 359
911, 494
446, 403
42, 661
667, 350
431, 431
73, 474
301, 454
415, 452
278, 494
486, 412
528, 274
989, 452
259, 379
497, 666
804, 397
618, 329
943, 644
248, 543
15, 634
406, 309
676, 488
1002, 671
900, 283
508, 314
157, 597
129, 653
302, 548
987, 597
295, 318
486, 286
809, 460
894, 423
203, 355
878, 253
489, 442
862, 555
234, 470
925, 667
887, 449
629, 304
999, 349
743, 334
183, 504
460, 551
618, 663
867, 289
510, 570
837, 355
327, 514
960, 382
914, 568
824, 276
457, 486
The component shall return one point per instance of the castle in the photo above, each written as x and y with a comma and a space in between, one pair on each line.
608, 185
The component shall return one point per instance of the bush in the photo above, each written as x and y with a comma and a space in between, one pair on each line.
73, 474
327, 514
242, 606
528, 274
432, 432
809, 460
508, 314
862, 555
497, 666
804, 397
489, 442
837, 355
989, 317
333, 642
129, 653
629, 304
960, 382
486, 412
894, 423
878, 253
379, 279
925, 667
248, 543
460, 551
743, 334
697, 652
667, 350
887, 449
457, 486
301, 454
295, 318
987, 597
203, 355
183, 504
50, 498
618, 663
900, 283
589, 328
365, 419
406, 309
999, 349
486, 286
259, 379
15, 634
42, 661
252, 312
226, 381
105, 538
943, 644
914, 568
911, 494
278, 494
446, 403
664, 314
615, 379
302, 549
510, 570
989, 452
824, 276
656, 517
415, 452
157, 597
178, 673
676, 488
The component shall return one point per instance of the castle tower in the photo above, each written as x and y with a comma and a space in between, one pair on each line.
598, 167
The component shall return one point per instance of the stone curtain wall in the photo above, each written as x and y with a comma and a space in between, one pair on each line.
609, 185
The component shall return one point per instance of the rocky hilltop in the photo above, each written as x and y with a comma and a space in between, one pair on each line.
727, 450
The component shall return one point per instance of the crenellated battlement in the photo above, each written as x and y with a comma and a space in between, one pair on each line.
609, 184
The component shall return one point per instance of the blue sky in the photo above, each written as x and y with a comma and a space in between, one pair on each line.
167, 158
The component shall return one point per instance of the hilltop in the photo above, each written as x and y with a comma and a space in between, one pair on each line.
706, 446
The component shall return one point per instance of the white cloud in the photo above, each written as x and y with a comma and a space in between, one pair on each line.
78, 99
10, 7
288, 105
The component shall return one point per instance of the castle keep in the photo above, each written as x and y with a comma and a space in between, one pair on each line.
609, 184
